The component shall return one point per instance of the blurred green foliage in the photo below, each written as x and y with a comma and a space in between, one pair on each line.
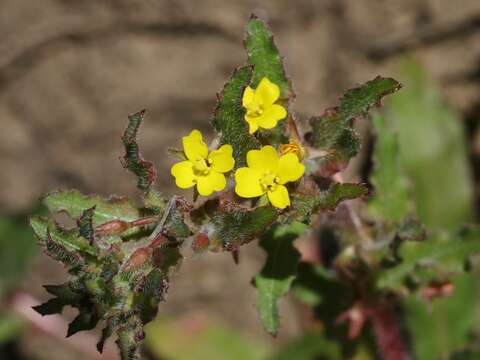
17, 247
433, 156
432, 150
201, 338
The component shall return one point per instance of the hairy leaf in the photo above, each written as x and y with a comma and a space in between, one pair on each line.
74, 203
357, 101
308, 203
229, 119
50, 235
154, 201
263, 55
332, 133
132, 160
235, 225
276, 277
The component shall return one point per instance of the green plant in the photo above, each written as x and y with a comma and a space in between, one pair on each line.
120, 255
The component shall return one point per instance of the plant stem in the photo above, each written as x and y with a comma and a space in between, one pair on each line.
388, 334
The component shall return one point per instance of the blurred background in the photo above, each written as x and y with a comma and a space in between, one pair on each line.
71, 71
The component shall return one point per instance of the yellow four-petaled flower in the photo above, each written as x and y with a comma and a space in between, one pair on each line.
262, 112
201, 168
267, 174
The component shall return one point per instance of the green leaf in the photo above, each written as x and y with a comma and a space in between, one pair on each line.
357, 101
336, 141
276, 277
17, 248
154, 201
436, 258
74, 203
308, 203
85, 320
263, 55
132, 160
308, 346
51, 235
235, 225
337, 193
64, 295
332, 133
391, 200
213, 340
444, 325
432, 151
229, 118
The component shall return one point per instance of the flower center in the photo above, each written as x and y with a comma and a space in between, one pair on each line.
201, 167
255, 110
269, 181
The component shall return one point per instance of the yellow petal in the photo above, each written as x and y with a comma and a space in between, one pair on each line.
194, 147
183, 173
266, 92
247, 183
221, 159
248, 96
270, 117
279, 197
214, 181
289, 168
252, 124
264, 159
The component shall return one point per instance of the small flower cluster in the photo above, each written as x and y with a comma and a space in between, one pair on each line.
266, 173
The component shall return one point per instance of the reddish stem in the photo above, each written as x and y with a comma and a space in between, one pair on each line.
388, 334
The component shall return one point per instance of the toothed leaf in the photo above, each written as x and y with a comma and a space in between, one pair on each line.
264, 56
229, 119
235, 225
74, 203
85, 320
132, 160
306, 204
357, 101
51, 235
332, 133
276, 277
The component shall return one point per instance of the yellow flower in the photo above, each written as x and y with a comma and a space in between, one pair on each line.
201, 168
261, 108
268, 173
